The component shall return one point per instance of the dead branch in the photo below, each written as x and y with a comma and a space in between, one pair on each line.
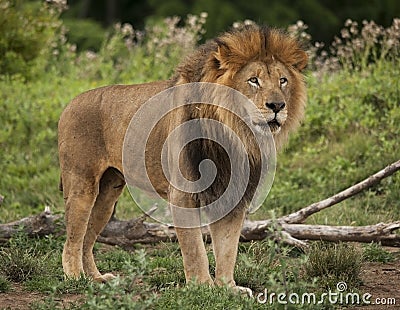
382, 232
301, 215
39, 225
127, 233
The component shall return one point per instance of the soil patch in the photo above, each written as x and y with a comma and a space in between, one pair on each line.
20, 298
382, 281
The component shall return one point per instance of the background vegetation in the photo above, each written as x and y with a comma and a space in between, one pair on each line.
351, 130
324, 17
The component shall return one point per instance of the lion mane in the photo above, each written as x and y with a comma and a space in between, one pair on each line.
263, 64
220, 59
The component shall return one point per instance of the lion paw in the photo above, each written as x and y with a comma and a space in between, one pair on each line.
104, 278
243, 290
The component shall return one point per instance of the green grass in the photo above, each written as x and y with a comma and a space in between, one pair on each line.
373, 252
332, 263
151, 277
344, 139
350, 131
4, 284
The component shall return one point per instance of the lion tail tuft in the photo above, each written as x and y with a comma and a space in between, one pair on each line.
60, 185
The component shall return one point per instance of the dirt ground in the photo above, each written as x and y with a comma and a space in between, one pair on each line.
381, 280
20, 299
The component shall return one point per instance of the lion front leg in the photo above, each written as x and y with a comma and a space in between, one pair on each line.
225, 234
195, 260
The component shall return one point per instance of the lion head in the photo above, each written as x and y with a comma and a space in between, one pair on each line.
263, 64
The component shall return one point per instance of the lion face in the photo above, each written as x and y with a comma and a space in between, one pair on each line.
263, 64
268, 86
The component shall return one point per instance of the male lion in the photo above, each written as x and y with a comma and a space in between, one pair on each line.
263, 64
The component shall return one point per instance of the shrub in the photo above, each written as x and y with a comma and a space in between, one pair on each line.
28, 32
4, 284
356, 48
85, 34
332, 263
19, 265
374, 252
151, 54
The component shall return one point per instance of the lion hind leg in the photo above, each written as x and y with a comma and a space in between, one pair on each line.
225, 234
111, 186
78, 206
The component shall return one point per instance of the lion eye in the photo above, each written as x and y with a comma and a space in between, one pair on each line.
283, 81
253, 81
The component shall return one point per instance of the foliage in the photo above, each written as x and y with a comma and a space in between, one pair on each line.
350, 131
25, 260
161, 45
374, 252
19, 265
332, 263
84, 33
28, 33
324, 17
261, 265
356, 48
4, 284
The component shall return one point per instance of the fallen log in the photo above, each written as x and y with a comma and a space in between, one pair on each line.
43, 224
301, 215
128, 233
383, 233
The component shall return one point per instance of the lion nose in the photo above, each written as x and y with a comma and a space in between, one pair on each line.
275, 106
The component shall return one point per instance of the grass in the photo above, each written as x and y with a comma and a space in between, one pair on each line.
374, 252
350, 131
332, 263
5, 284
151, 277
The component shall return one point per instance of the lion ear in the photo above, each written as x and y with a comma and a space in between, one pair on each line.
300, 60
216, 63
219, 58
221, 55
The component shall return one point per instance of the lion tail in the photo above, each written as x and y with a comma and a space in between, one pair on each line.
60, 185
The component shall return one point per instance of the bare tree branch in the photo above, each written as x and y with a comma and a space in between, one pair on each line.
127, 233
382, 232
301, 215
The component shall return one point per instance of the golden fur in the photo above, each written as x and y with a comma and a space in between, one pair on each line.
263, 64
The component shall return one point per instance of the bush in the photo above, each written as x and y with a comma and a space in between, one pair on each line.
20, 265
4, 284
85, 34
374, 252
131, 56
332, 263
29, 31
